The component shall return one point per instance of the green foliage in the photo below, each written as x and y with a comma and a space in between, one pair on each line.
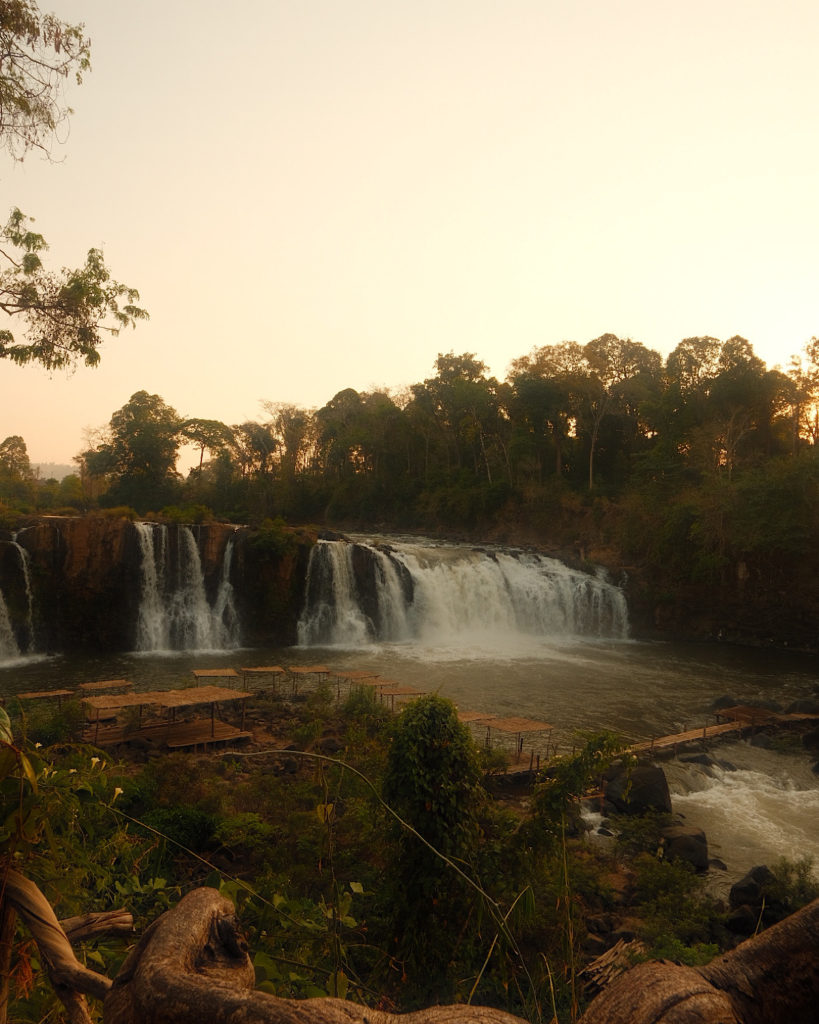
184, 825
641, 833
187, 515
432, 782
673, 906
565, 779
65, 314
794, 885
274, 537
47, 726
119, 512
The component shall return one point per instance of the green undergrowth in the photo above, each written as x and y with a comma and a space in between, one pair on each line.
365, 854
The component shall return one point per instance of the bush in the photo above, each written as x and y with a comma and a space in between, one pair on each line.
185, 826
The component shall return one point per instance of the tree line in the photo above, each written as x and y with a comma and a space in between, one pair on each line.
461, 448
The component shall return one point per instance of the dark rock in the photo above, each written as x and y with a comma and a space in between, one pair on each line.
761, 740
329, 745
601, 924
703, 759
748, 890
815, 768
717, 864
683, 842
810, 740
742, 920
725, 701
640, 790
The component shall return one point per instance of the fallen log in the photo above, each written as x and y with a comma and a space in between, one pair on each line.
770, 979
192, 965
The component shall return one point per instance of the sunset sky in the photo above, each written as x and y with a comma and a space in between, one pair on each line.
314, 195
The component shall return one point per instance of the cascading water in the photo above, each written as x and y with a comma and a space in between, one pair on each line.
8, 644
26, 571
18, 640
360, 593
174, 612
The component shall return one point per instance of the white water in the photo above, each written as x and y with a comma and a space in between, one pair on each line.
752, 802
174, 614
8, 643
25, 568
454, 597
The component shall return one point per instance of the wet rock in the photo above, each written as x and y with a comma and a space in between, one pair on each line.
684, 842
742, 920
749, 889
640, 790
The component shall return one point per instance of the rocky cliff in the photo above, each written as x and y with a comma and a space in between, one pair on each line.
76, 584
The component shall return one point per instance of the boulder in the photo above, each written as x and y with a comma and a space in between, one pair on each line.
749, 889
639, 790
684, 842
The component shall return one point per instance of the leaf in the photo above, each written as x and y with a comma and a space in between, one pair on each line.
6, 734
8, 762
324, 812
357, 887
28, 771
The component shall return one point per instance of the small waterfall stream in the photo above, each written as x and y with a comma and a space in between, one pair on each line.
174, 613
26, 571
361, 593
8, 643
23, 643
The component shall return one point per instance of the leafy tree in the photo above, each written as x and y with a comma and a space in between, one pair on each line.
16, 476
291, 426
433, 782
206, 435
64, 314
14, 457
140, 453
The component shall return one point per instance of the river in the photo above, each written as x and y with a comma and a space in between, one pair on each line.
481, 641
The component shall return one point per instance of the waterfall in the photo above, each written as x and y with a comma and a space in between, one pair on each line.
174, 613
14, 644
360, 593
26, 571
8, 645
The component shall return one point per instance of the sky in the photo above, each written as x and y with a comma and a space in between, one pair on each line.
312, 195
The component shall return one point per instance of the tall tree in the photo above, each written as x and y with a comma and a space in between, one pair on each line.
140, 453
206, 436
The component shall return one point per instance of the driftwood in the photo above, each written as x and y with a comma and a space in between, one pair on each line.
192, 965
770, 979
89, 926
71, 980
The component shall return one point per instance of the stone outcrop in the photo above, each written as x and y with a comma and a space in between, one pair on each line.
81, 586
639, 790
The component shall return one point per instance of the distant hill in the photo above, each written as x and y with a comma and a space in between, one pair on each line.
52, 470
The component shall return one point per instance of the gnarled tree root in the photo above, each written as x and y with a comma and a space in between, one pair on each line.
192, 965
770, 979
